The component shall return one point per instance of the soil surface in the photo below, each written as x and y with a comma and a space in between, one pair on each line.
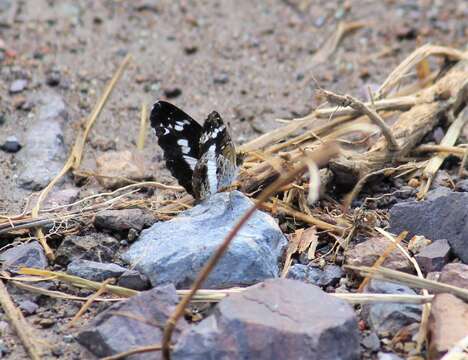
252, 61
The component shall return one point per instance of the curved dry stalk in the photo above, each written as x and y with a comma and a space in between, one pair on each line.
320, 157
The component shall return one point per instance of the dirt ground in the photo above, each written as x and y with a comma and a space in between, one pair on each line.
253, 61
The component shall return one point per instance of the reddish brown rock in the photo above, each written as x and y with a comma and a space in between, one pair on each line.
448, 323
367, 252
434, 256
117, 167
455, 274
277, 319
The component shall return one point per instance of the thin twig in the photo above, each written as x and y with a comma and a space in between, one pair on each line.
139, 350
142, 132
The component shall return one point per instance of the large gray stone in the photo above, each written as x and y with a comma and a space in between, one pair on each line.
95, 271
390, 317
27, 255
444, 215
113, 332
174, 251
277, 319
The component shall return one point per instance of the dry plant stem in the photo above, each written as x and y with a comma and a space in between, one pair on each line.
139, 350
452, 150
143, 121
435, 163
319, 157
357, 105
390, 248
409, 280
89, 302
412, 60
19, 324
77, 152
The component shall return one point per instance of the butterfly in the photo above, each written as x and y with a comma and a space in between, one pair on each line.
203, 159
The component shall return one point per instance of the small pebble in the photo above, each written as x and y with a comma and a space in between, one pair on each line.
28, 307
11, 145
53, 77
132, 235
124, 243
221, 79
172, 92
68, 339
18, 86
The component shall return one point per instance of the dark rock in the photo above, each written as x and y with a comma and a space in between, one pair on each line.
18, 86
448, 324
390, 317
434, 256
28, 307
443, 215
24, 255
462, 185
274, 320
371, 342
53, 77
330, 275
11, 145
93, 270
367, 252
171, 93
95, 247
174, 251
221, 79
132, 279
123, 220
111, 333
455, 274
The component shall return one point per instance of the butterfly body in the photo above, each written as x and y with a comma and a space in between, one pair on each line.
202, 159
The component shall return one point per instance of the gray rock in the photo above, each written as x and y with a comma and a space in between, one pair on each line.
277, 319
43, 155
94, 271
330, 275
51, 107
371, 342
18, 86
24, 255
462, 185
132, 279
28, 307
443, 215
388, 356
11, 145
95, 247
389, 317
111, 333
434, 256
174, 251
455, 274
123, 220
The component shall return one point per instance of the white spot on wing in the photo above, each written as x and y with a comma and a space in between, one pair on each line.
178, 128
211, 167
182, 142
191, 161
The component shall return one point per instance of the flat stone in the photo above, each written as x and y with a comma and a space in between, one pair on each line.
117, 166
110, 333
43, 155
132, 279
434, 256
11, 145
95, 247
462, 185
123, 220
329, 276
93, 270
371, 342
277, 319
389, 317
24, 255
367, 253
18, 86
174, 251
28, 307
455, 274
448, 324
443, 215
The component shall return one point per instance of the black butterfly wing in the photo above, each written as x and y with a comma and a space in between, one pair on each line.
179, 137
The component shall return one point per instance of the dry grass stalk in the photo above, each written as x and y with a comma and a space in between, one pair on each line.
143, 127
138, 350
409, 280
74, 160
450, 138
19, 324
